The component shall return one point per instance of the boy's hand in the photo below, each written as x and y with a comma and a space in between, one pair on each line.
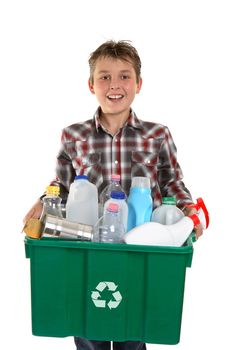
35, 211
198, 228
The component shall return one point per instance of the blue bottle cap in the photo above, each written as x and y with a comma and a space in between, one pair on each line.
117, 195
81, 177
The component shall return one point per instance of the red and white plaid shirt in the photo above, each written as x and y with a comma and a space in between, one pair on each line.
140, 148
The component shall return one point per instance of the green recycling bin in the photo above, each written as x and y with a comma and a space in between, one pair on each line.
103, 291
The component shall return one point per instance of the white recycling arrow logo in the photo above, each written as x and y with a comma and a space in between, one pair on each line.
115, 295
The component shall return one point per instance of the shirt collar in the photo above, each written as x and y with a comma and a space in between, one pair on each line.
132, 121
96, 119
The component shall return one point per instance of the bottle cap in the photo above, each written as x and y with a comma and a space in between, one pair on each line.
81, 177
117, 195
141, 181
115, 177
113, 207
52, 191
169, 200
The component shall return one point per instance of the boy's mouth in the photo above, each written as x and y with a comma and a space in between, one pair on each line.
115, 97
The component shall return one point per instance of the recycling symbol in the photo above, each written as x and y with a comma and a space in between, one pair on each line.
113, 300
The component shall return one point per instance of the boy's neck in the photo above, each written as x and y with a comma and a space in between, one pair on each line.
113, 122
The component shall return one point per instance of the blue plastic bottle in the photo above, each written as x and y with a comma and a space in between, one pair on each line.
140, 202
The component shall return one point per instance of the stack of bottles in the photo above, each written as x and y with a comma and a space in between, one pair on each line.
115, 218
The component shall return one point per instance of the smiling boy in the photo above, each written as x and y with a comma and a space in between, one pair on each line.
115, 84
116, 141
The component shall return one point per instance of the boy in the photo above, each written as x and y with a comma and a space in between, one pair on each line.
116, 141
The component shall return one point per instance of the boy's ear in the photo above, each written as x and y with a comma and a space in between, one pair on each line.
91, 87
139, 85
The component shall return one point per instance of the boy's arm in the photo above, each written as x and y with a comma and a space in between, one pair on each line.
170, 178
170, 174
65, 174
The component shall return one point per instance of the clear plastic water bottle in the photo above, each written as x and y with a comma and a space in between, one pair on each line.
105, 194
109, 228
119, 198
82, 201
51, 203
168, 213
140, 203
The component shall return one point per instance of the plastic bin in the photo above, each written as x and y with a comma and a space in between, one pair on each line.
106, 291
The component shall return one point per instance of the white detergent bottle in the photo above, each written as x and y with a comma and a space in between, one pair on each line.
82, 201
153, 233
167, 213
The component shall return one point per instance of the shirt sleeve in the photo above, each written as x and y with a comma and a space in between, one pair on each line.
170, 174
65, 172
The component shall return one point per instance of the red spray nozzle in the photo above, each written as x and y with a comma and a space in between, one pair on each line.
200, 206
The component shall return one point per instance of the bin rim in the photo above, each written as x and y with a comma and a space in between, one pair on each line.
61, 243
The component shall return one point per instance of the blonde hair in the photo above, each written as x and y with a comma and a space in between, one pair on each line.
122, 50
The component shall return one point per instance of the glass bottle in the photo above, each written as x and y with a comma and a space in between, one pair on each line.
51, 203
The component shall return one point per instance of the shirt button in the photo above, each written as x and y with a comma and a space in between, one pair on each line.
116, 162
116, 140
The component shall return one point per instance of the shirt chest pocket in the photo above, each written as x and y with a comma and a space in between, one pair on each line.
144, 164
86, 163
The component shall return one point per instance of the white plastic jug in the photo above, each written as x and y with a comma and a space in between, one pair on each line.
153, 233
82, 201
167, 213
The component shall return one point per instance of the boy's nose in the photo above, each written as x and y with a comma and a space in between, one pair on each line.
114, 84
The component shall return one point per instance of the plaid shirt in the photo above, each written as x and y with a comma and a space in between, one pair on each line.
140, 148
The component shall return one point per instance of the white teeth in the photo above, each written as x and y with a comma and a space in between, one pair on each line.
115, 96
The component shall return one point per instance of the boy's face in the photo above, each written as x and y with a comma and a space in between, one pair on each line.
114, 84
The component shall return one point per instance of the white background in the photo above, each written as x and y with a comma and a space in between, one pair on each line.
43, 87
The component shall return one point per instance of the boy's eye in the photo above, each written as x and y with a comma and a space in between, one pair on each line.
124, 77
105, 77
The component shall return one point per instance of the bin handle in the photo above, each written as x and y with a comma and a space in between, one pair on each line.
192, 238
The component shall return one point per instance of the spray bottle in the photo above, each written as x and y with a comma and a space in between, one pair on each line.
153, 233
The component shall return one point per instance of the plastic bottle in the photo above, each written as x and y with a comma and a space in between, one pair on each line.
82, 201
119, 198
154, 233
109, 228
140, 202
168, 213
51, 203
106, 192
